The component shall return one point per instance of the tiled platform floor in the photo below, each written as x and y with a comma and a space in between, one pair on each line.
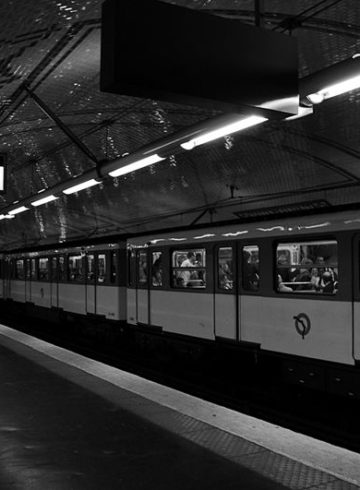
63, 428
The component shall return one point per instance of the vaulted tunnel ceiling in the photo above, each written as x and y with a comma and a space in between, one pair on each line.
54, 47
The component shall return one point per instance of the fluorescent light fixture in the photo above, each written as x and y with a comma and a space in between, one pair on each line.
6, 216
44, 200
80, 187
223, 131
131, 167
2, 178
334, 90
21, 209
334, 80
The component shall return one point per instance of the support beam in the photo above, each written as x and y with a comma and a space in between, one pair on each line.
259, 11
72, 136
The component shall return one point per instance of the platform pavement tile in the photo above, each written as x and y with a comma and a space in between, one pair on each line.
290, 473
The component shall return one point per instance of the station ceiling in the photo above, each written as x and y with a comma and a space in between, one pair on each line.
53, 46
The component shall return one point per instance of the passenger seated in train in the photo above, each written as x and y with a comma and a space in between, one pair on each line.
157, 273
282, 288
225, 276
315, 279
303, 278
284, 267
186, 277
330, 286
198, 263
251, 277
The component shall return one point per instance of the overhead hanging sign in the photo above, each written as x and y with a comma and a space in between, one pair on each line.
162, 51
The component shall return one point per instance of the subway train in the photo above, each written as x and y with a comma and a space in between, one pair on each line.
285, 289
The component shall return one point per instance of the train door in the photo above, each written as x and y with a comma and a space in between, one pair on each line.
158, 296
142, 290
54, 284
131, 289
90, 283
248, 287
226, 297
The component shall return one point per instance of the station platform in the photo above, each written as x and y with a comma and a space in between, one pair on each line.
68, 422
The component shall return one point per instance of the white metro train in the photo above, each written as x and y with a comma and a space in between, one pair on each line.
288, 288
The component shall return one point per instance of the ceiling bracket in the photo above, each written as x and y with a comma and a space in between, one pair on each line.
211, 212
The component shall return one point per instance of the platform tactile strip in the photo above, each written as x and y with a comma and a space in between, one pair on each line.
287, 472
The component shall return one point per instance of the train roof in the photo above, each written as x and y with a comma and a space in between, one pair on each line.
282, 229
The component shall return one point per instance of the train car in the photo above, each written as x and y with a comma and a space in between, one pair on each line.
83, 280
288, 288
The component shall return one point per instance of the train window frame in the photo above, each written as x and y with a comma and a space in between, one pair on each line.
240, 272
34, 269
314, 241
47, 279
27, 269
54, 272
131, 264
105, 277
75, 280
93, 279
113, 267
145, 284
62, 273
154, 280
217, 287
16, 272
196, 248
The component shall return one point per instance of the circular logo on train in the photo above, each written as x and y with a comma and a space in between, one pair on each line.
302, 324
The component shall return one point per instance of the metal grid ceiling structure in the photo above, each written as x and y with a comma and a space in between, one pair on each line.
53, 46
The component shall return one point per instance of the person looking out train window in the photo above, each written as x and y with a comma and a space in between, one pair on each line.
189, 262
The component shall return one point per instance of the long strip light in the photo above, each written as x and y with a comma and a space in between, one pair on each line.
2, 178
44, 200
131, 167
6, 216
80, 187
223, 131
334, 90
21, 209
334, 80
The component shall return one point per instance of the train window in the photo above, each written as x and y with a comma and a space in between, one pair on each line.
250, 268
101, 268
189, 268
28, 269
33, 269
44, 269
225, 268
53, 265
75, 264
90, 267
62, 269
142, 267
307, 267
131, 267
156, 269
113, 267
19, 269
